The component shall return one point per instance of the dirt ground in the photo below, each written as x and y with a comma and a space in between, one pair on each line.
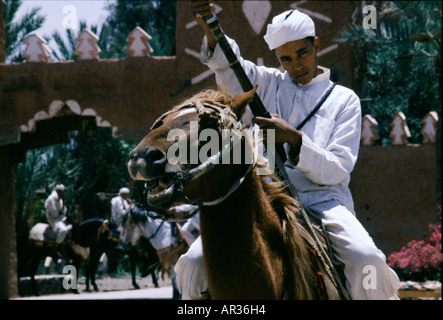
123, 282
53, 283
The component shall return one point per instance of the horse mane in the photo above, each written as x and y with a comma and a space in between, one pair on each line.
137, 215
209, 97
91, 221
111, 224
85, 231
295, 236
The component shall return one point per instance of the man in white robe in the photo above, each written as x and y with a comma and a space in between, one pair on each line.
56, 213
120, 205
321, 155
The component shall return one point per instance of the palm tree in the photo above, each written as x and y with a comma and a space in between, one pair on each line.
65, 49
15, 32
395, 62
403, 57
2, 35
402, 23
155, 17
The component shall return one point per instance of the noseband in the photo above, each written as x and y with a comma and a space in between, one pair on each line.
181, 178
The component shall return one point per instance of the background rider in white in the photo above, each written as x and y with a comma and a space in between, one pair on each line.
56, 213
121, 205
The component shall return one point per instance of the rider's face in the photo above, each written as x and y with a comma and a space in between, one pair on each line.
299, 59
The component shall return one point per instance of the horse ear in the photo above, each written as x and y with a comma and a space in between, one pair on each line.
239, 102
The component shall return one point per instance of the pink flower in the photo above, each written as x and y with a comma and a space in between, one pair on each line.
420, 256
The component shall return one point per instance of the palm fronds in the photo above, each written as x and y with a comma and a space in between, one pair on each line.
398, 62
17, 31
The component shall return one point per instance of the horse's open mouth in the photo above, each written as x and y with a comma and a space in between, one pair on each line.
161, 192
159, 187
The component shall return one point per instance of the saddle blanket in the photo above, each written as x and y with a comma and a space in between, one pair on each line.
42, 232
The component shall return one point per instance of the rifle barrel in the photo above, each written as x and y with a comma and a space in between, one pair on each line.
256, 105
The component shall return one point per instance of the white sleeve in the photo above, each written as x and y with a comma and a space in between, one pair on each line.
226, 79
330, 165
63, 210
189, 228
118, 208
51, 208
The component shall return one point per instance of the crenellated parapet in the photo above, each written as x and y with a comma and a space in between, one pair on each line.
399, 129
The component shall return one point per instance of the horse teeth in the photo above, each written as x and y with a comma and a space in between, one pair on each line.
151, 184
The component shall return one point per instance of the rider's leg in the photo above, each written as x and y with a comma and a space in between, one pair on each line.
191, 274
368, 277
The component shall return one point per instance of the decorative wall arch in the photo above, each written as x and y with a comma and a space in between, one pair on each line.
58, 108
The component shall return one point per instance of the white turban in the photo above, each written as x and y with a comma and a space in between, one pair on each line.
123, 190
60, 187
289, 26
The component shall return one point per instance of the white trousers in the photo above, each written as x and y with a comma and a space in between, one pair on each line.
368, 277
191, 273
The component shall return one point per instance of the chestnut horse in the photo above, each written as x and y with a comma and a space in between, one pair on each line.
254, 245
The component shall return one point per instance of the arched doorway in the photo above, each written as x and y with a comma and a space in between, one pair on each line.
59, 135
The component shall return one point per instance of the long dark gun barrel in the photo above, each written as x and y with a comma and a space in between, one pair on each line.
256, 105
259, 110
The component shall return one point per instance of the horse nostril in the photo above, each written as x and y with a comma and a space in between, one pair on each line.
148, 156
154, 155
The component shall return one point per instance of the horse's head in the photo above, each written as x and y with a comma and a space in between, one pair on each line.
172, 158
131, 232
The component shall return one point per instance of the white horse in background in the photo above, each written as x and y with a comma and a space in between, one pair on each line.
161, 234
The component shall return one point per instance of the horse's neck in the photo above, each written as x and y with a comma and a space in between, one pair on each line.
241, 239
158, 234
248, 201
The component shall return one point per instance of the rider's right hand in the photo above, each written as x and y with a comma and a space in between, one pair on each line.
201, 9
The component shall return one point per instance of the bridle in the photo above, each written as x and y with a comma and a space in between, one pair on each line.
181, 178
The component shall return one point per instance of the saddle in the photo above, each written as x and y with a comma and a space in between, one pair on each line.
42, 235
42, 232
330, 271
114, 236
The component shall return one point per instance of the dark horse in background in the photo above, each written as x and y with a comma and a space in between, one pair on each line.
86, 243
